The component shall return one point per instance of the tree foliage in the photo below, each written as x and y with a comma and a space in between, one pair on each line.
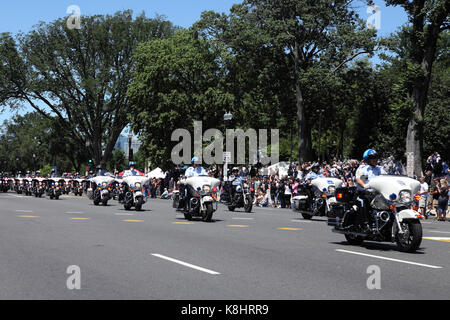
80, 77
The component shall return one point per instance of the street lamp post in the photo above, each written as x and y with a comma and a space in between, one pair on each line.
321, 111
227, 118
130, 150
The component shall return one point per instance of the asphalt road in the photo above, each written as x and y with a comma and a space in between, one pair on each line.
156, 254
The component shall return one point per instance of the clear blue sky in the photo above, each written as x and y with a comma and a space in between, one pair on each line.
21, 15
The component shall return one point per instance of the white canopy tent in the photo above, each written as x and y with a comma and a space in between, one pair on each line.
282, 168
157, 174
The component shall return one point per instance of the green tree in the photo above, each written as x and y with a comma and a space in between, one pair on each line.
176, 81
306, 38
427, 20
80, 77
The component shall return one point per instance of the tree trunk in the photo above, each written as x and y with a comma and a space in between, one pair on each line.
414, 137
304, 133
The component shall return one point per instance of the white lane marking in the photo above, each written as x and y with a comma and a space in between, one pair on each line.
243, 218
304, 221
25, 211
390, 259
185, 264
438, 231
74, 212
124, 214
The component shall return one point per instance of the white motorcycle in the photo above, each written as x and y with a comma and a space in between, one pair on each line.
196, 197
316, 198
134, 191
101, 189
390, 214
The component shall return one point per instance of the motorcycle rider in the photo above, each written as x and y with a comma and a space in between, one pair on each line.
233, 181
366, 172
314, 173
100, 171
195, 169
132, 170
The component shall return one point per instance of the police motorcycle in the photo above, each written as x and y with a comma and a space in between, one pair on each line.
117, 190
316, 198
203, 191
242, 196
4, 185
28, 186
38, 187
19, 185
133, 194
100, 190
391, 215
67, 188
77, 187
54, 189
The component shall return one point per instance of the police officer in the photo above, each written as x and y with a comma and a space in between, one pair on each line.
132, 171
369, 170
100, 171
195, 169
314, 174
233, 180
366, 172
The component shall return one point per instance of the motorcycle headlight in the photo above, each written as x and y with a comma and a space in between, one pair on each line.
405, 196
332, 189
138, 185
206, 188
104, 184
245, 185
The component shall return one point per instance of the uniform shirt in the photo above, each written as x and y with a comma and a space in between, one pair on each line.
312, 175
367, 172
130, 173
194, 172
236, 180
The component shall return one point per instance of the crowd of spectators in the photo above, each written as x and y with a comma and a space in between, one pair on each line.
277, 189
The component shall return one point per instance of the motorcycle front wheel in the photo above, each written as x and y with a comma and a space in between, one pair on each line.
209, 212
412, 237
306, 216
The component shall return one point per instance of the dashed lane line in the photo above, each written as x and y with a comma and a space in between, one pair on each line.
185, 264
390, 259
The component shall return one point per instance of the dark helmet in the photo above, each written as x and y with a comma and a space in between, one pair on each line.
370, 154
132, 164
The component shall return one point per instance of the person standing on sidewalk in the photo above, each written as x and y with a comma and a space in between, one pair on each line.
442, 200
423, 197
